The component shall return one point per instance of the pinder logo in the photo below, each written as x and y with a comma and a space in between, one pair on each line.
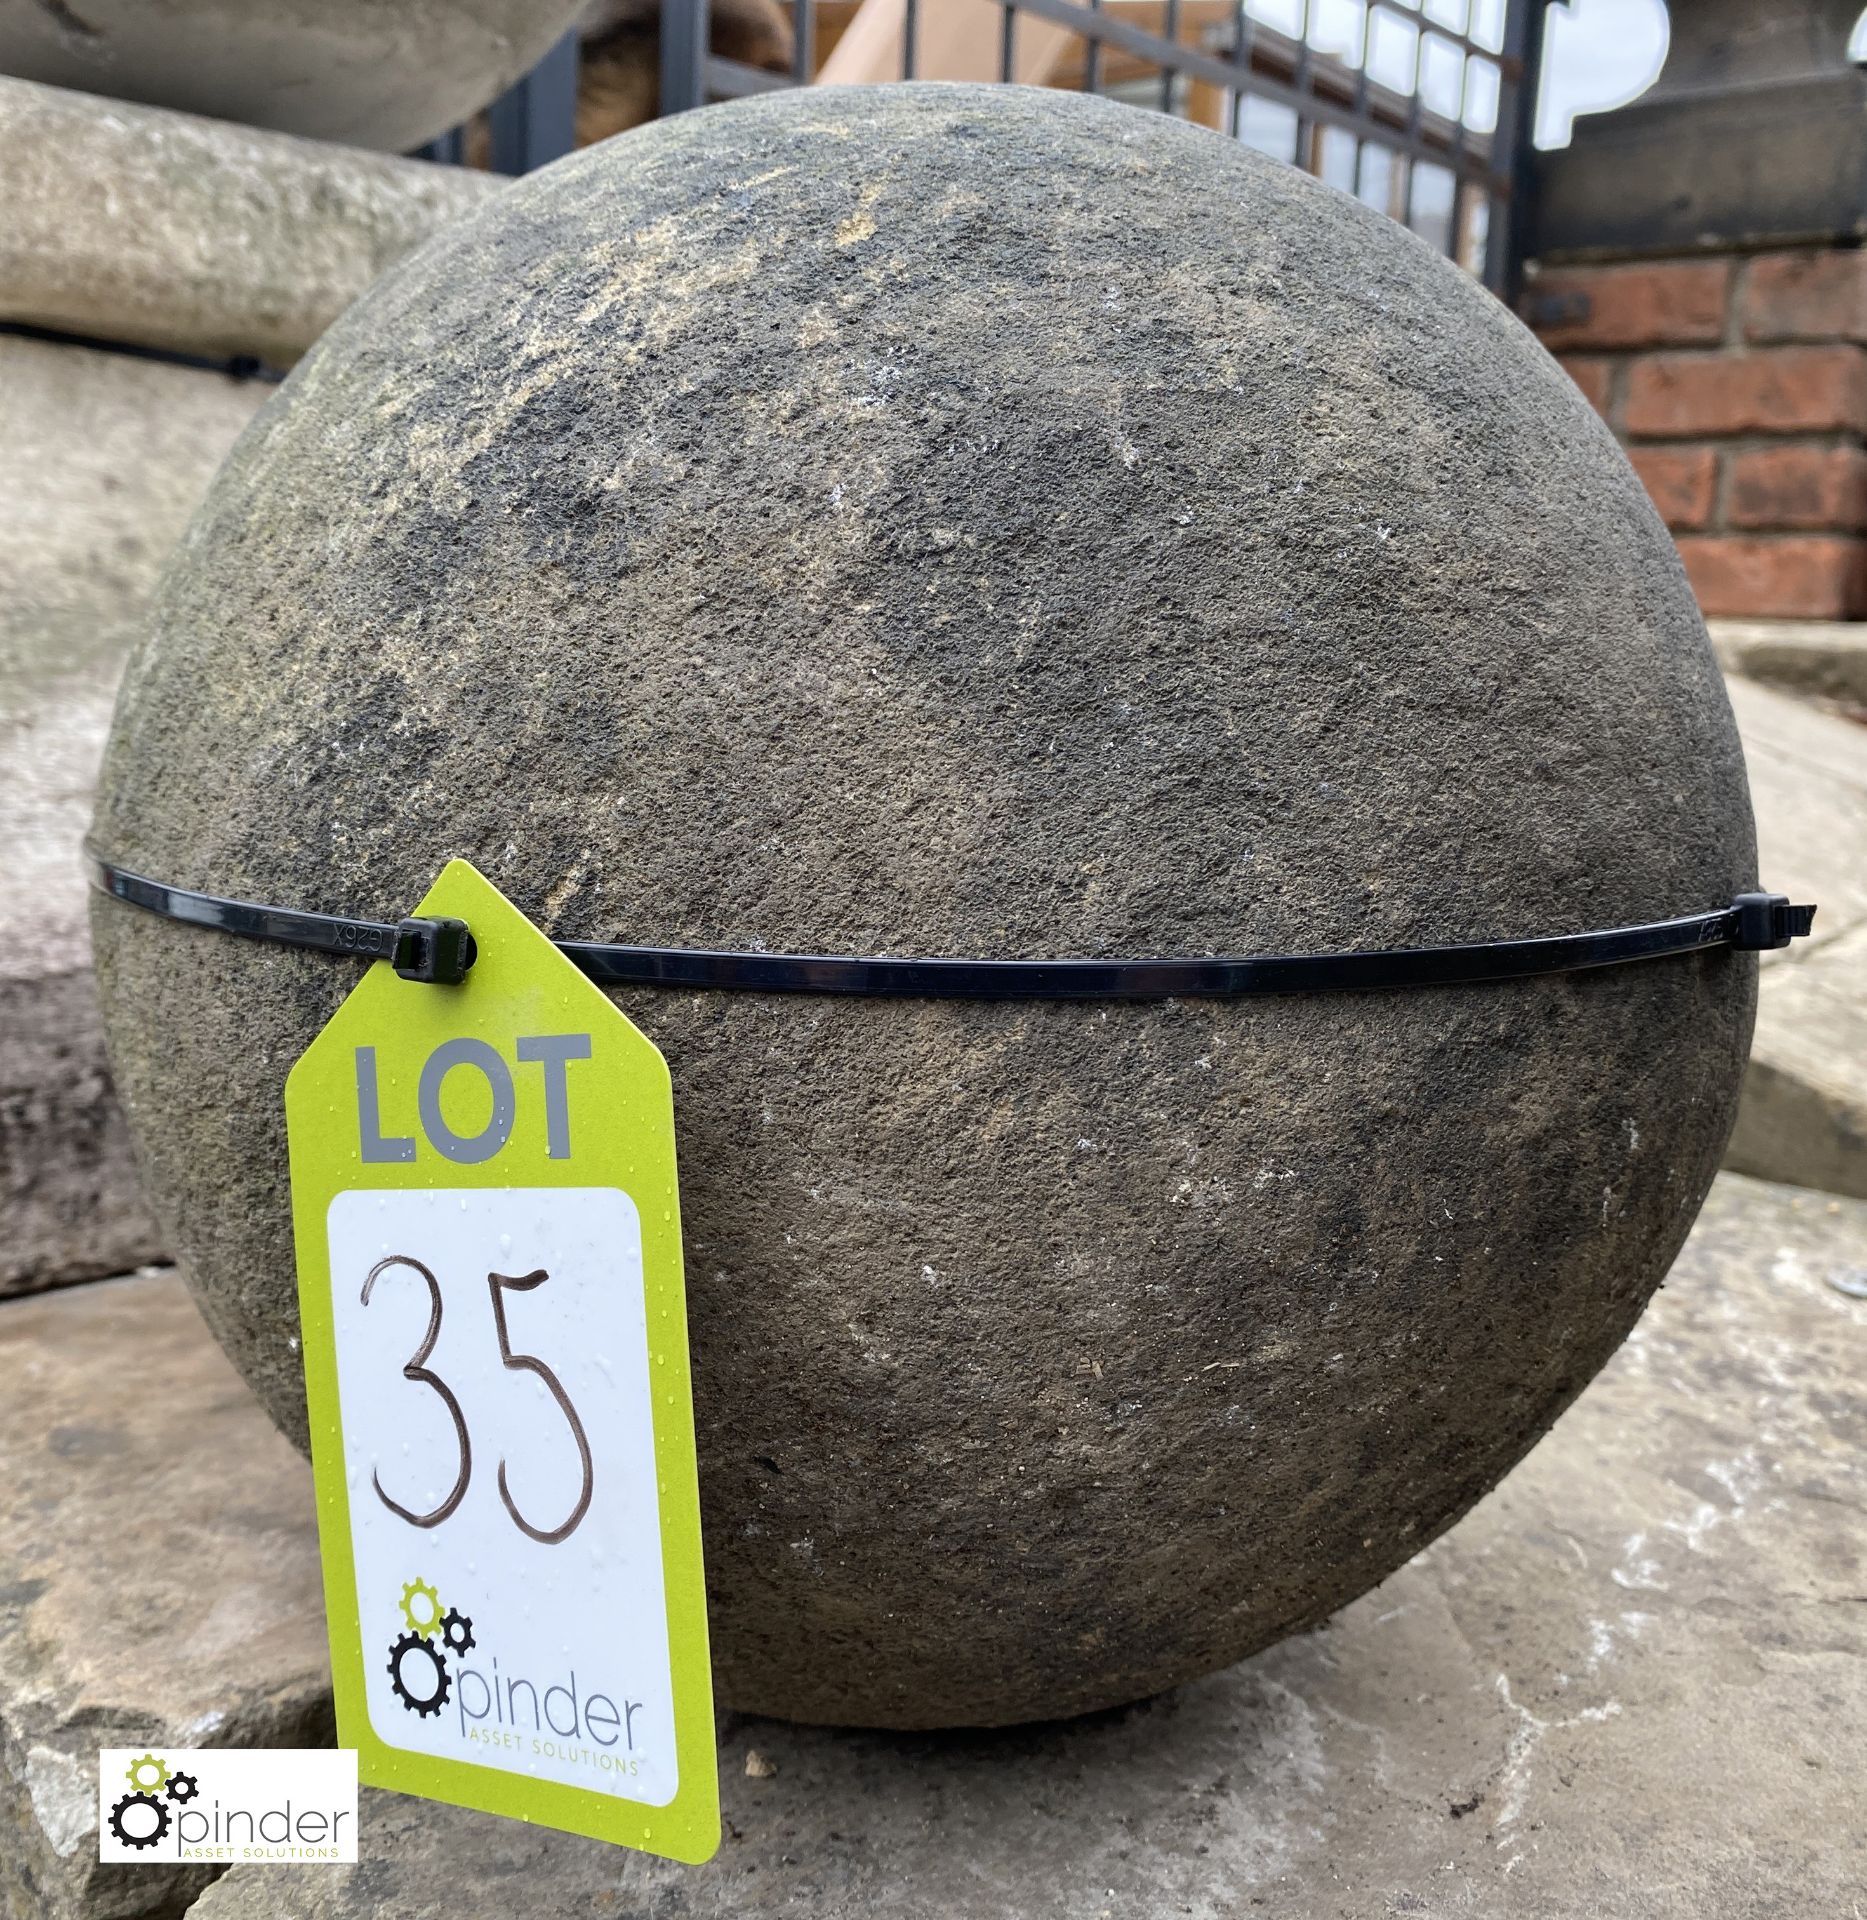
287, 1806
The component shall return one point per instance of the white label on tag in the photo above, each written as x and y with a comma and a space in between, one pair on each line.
499, 1451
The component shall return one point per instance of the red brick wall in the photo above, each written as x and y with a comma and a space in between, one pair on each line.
1738, 386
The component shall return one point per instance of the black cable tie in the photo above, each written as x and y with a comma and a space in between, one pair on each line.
442, 950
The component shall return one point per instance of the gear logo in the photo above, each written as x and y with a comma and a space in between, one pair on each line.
429, 1670
142, 1818
421, 1608
418, 1668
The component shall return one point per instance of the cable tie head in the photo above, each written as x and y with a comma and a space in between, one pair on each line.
1762, 922
438, 951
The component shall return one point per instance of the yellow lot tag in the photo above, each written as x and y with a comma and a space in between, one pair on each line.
495, 1348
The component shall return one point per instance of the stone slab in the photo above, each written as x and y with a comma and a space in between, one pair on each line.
1631, 1685
158, 1578
102, 459
1822, 659
133, 223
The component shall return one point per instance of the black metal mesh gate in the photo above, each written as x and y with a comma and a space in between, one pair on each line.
1423, 108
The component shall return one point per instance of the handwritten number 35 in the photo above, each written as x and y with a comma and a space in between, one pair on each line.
417, 1370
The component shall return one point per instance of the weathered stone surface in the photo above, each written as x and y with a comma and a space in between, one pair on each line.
131, 223
1632, 1683
752, 531
1824, 659
349, 70
158, 1578
102, 459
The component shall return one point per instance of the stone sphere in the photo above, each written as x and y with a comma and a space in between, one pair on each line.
937, 520
371, 73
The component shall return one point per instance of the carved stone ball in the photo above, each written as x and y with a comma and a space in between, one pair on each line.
937, 520
370, 73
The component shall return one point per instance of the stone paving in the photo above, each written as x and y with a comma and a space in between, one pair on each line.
1823, 660
1631, 1683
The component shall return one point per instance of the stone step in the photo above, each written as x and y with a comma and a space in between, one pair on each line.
1805, 1091
1818, 659
1804, 1111
1808, 785
102, 459
1632, 1681
159, 1578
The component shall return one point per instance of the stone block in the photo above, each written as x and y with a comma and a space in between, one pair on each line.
102, 458
1808, 789
1632, 1682
68, 1186
132, 223
158, 1579
351, 70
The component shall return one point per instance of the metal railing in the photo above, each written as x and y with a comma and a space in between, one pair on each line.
1423, 108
